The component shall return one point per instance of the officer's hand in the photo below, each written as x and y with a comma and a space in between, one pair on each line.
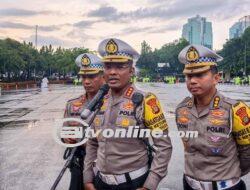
89, 186
69, 141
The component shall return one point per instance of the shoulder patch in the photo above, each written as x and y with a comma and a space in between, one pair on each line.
151, 101
242, 111
186, 102
241, 123
153, 113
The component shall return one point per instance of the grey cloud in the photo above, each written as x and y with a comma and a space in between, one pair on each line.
109, 14
149, 29
169, 27
80, 35
24, 12
83, 24
17, 12
175, 10
49, 28
15, 25
104, 11
132, 30
171, 10
231, 9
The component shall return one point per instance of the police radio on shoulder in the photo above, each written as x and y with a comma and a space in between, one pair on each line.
137, 98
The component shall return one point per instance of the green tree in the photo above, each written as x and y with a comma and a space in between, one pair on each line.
236, 55
20, 61
168, 53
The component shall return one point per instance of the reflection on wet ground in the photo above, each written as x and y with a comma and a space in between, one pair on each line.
29, 156
21, 123
17, 113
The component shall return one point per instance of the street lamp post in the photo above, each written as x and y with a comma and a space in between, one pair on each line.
36, 49
245, 60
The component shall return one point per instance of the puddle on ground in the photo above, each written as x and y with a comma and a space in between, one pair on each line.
22, 123
15, 114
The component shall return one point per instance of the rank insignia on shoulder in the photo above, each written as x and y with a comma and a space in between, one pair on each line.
129, 92
216, 102
190, 103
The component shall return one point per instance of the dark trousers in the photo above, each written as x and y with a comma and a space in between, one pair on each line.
129, 185
240, 186
76, 170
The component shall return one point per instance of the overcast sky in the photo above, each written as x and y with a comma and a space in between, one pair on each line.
78, 23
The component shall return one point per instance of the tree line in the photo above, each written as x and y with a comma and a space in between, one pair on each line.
236, 54
22, 61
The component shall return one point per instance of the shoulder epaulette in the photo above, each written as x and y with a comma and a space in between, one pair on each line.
231, 101
185, 102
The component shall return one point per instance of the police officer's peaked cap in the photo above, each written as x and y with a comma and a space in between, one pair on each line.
198, 59
89, 64
115, 50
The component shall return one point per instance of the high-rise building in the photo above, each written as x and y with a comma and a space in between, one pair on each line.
239, 27
198, 31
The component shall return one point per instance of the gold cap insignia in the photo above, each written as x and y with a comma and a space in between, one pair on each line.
111, 47
192, 54
85, 60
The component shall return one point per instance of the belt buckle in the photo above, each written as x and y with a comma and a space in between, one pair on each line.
109, 179
224, 184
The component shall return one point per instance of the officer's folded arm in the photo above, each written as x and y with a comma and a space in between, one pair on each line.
244, 156
241, 128
158, 169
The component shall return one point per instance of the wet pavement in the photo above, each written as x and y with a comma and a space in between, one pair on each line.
31, 159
